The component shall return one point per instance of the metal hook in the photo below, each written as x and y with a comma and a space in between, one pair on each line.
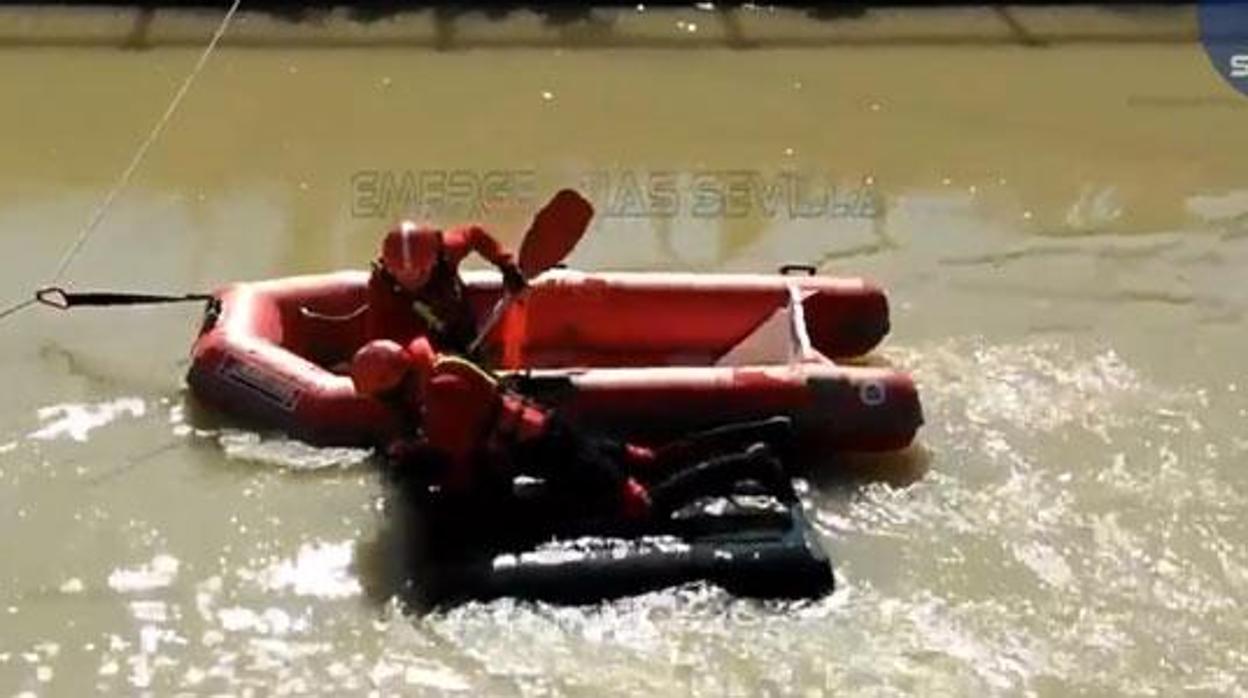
53, 296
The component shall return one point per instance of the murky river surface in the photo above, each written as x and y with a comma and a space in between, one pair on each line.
1062, 224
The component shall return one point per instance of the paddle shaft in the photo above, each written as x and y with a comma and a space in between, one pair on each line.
491, 320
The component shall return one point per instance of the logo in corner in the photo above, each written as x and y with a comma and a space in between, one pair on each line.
1224, 34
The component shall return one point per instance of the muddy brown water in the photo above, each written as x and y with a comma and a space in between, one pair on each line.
1057, 203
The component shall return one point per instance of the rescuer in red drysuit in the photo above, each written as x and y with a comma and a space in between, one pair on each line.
415, 289
478, 431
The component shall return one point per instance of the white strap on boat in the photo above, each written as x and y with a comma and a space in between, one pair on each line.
800, 346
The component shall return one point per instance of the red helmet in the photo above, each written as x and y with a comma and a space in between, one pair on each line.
379, 367
409, 253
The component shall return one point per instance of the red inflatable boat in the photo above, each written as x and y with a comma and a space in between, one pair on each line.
644, 355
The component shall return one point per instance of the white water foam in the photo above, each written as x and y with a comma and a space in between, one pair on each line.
160, 572
76, 420
287, 453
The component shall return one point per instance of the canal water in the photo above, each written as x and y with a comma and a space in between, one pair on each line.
1056, 201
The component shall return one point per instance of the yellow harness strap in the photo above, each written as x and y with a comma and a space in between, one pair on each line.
461, 365
425, 311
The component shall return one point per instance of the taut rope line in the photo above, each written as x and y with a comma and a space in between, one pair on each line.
100, 210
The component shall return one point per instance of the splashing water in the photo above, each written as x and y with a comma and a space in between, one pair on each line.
284, 452
77, 421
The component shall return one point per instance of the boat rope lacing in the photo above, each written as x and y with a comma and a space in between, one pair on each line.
97, 215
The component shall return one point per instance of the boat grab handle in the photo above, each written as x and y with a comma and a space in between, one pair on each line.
787, 269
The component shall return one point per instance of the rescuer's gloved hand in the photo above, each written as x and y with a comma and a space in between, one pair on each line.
513, 279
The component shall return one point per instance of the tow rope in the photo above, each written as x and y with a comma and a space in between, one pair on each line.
122, 181
59, 298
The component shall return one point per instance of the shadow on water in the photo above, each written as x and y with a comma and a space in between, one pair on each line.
100, 375
71, 364
203, 417
394, 562
847, 471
